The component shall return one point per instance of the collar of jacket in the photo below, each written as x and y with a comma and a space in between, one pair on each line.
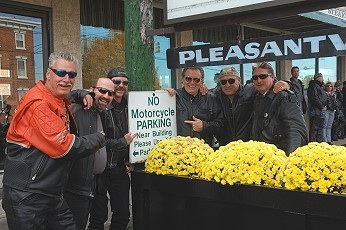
189, 96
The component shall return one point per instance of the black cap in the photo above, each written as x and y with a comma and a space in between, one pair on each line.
317, 75
117, 72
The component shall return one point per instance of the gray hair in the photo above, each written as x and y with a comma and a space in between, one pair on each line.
264, 65
62, 55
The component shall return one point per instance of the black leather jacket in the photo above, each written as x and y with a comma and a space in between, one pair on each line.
205, 108
278, 120
317, 95
116, 121
81, 180
33, 171
238, 114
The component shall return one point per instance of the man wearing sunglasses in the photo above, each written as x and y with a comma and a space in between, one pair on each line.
237, 105
197, 115
277, 118
42, 144
115, 178
80, 188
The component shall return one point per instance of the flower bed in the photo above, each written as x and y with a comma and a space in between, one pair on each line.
315, 167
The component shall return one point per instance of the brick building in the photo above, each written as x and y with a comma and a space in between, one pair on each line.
17, 71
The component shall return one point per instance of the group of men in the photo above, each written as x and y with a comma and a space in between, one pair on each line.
265, 110
62, 160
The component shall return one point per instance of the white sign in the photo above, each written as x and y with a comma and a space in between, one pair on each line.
182, 10
152, 116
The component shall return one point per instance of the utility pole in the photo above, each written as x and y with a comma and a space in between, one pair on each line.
139, 51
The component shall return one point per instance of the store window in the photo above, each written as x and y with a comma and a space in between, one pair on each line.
163, 74
307, 69
20, 40
327, 66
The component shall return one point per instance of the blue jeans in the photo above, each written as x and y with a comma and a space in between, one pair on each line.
327, 126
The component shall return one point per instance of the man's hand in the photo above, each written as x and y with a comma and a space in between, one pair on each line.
87, 101
204, 89
171, 91
129, 137
197, 124
129, 167
280, 85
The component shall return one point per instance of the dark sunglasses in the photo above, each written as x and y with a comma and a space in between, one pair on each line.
261, 76
62, 73
118, 82
195, 79
329, 86
230, 81
104, 91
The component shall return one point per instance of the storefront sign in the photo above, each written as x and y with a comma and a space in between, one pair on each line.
152, 117
182, 10
296, 46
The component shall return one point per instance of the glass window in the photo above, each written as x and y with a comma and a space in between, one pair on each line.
20, 40
21, 92
21, 68
21, 53
163, 74
327, 66
102, 50
307, 70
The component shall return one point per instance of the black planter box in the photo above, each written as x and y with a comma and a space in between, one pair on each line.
171, 202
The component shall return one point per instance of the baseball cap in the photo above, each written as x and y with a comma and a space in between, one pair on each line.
117, 72
229, 71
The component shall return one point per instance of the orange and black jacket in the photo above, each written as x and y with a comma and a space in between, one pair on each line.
42, 143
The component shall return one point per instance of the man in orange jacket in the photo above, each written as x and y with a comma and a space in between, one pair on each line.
41, 146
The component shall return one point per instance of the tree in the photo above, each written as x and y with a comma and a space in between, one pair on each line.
103, 55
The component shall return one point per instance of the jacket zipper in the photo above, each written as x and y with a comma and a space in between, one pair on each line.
40, 166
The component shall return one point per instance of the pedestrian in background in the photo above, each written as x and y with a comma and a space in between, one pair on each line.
317, 99
42, 143
298, 88
115, 178
329, 112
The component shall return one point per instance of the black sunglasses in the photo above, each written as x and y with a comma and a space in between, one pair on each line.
104, 91
195, 79
118, 82
62, 73
230, 81
261, 76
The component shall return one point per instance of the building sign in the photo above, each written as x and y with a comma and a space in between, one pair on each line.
338, 13
152, 116
323, 43
182, 10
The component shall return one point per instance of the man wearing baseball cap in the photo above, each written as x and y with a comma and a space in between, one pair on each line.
115, 179
237, 105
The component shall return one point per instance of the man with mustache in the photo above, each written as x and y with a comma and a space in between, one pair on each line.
80, 188
42, 143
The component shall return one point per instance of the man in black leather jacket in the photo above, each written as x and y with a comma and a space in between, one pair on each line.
80, 188
42, 142
115, 179
317, 98
237, 105
197, 115
277, 117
